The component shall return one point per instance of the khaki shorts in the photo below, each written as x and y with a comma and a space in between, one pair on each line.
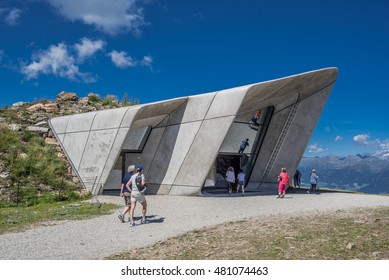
137, 196
127, 198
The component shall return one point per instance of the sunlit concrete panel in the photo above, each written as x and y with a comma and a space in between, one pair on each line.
80, 122
226, 102
129, 116
74, 145
203, 152
109, 118
171, 152
59, 124
197, 107
96, 154
113, 154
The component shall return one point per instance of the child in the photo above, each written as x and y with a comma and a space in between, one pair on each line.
241, 178
283, 180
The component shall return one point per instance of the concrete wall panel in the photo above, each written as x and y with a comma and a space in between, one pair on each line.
113, 154
226, 102
129, 115
81, 122
197, 107
171, 152
203, 152
96, 154
109, 118
59, 124
146, 157
74, 144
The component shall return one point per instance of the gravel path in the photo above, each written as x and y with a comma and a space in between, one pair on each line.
169, 216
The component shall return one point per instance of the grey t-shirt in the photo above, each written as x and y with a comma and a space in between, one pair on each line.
133, 181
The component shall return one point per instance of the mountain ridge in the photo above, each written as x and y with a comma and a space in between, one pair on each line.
367, 173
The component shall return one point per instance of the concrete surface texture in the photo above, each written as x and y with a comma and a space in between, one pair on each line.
179, 140
169, 216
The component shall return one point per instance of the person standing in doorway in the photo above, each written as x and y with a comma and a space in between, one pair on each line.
125, 191
241, 178
137, 182
230, 178
314, 179
283, 180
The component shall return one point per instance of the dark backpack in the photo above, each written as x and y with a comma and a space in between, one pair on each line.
138, 182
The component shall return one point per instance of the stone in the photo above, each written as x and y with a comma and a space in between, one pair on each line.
83, 101
36, 107
4, 175
37, 129
14, 127
51, 107
23, 155
50, 141
42, 123
351, 246
67, 96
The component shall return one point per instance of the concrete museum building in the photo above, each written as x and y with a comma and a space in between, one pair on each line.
185, 143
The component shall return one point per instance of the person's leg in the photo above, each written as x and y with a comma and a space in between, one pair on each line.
132, 208
283, 190
242, 189
279, 190
144, 210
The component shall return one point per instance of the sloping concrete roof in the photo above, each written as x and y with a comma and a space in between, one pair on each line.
187, 133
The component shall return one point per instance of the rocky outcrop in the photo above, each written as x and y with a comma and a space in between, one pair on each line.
48, 108
67, 96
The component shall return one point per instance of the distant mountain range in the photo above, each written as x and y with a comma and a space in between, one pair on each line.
367, 173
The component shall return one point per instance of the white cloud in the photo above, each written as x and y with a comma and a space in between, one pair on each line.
361, 139
56, 60
11, 15
110, 17
121, 59
383, 144
338, 138
88, 48
315, 148
147, 61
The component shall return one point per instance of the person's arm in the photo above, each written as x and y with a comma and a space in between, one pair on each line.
121, 189
143, 180
128, 185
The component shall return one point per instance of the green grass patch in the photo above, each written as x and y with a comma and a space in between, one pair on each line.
15, 219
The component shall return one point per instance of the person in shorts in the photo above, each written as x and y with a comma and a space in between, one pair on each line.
125, 191
241, 178
137, 196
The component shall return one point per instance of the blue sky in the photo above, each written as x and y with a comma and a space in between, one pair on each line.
161, 49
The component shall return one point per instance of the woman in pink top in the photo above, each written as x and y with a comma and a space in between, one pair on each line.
283, 180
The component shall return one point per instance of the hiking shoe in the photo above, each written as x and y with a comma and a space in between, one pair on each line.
121, 218
132, 224
144, 221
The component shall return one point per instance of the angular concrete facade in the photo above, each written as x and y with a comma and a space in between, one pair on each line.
184, 142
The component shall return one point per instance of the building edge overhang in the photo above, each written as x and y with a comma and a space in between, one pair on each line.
329, 73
